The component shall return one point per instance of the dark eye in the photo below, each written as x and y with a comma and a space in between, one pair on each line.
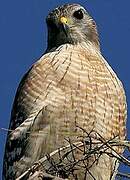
78, 14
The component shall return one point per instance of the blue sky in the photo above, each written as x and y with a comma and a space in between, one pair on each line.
23, 40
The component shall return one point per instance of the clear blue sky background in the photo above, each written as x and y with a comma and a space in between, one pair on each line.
23, 38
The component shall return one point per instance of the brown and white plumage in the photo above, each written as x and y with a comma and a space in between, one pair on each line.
72, 84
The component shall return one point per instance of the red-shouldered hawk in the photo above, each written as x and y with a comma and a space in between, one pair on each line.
71, 85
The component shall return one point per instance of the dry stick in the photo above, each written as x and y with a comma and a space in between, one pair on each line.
5, 129
123, 175
35, 166
73, 164
121, 158
72, 149
41, 175
103, 143
77, 145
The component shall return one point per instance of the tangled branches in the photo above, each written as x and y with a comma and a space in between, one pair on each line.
64, 163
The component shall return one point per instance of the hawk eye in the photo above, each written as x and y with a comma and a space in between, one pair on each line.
78, 14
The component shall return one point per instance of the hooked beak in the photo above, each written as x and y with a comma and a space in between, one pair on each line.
63, 20
64, 24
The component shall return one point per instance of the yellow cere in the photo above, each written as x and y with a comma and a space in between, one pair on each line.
64, 20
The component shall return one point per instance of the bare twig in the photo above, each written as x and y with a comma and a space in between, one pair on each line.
123, 175
63, 162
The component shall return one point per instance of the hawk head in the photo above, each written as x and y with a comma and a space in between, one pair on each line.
71, 24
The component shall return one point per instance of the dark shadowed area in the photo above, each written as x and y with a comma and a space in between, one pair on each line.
23, 39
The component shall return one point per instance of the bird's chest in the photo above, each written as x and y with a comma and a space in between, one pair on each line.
83, 96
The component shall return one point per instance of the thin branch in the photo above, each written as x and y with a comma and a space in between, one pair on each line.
64, 161
123, 175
